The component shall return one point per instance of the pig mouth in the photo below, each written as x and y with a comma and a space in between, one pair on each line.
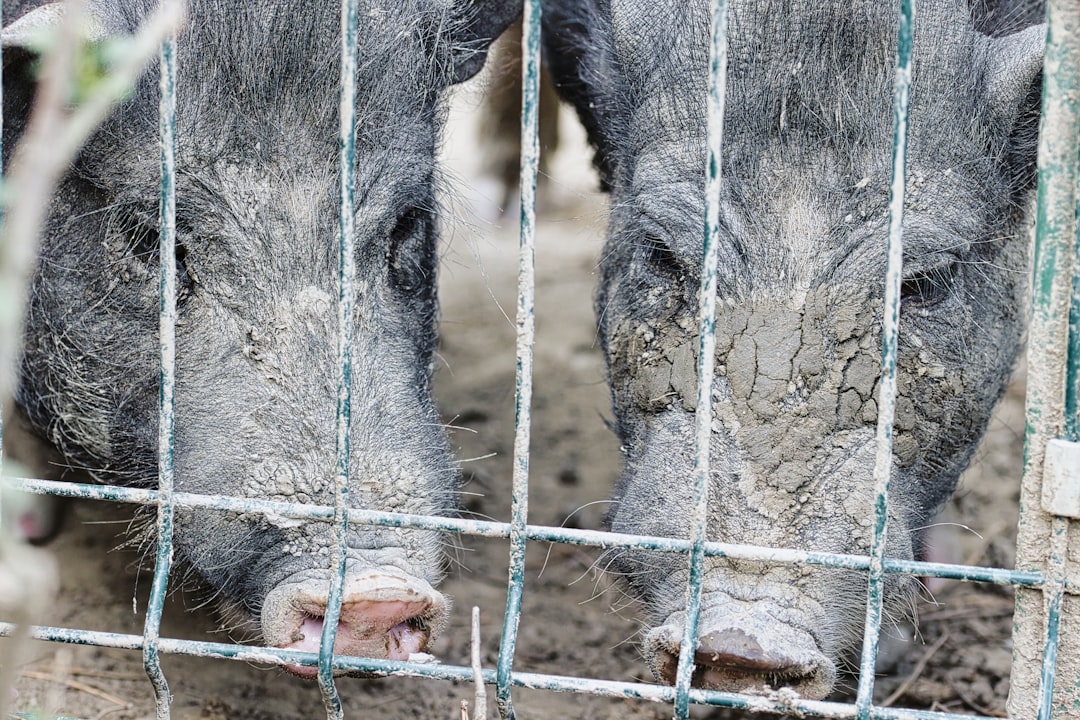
743, 650
386, 614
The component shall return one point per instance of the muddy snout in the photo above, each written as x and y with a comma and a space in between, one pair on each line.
385, 613
743, 647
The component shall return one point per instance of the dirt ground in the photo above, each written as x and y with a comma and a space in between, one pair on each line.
573, 623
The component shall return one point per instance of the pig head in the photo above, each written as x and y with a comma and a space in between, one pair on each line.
256, 261
803, 230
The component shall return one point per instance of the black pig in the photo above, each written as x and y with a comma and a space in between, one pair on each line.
257, 97
803, 226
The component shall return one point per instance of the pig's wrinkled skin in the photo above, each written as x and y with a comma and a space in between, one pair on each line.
257, 158
807, 145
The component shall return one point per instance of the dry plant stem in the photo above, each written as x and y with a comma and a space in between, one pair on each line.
9, 654
85, 672
53, 137
971, 702
916, 671
28, 579
29, 185
76, 685
480, 712
56, 691
106, 713
978, 607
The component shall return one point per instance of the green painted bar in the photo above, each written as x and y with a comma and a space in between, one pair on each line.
346, 309
703, 417
1052, 262
1072, 357
887, 387
1, 222
167, 381
519, 508
1039, 689
554, 683
536, 533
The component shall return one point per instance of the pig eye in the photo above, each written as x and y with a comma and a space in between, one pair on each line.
146, 248
410, 252
660, 257
928, 287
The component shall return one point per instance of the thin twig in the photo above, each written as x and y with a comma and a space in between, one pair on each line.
29, 579
916, 671
478, 676
85, 672
76, 685
980, 607
970, 702
53, 137
110, 711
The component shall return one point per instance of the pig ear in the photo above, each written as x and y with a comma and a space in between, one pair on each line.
29, 30
579, 53
1013, 87
19, 87
1004, 17
22, 41
481, 22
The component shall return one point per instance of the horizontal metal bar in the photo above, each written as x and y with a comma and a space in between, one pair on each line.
535, 681
535, 533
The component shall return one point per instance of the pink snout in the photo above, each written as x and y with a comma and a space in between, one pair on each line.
735, 654
385, 614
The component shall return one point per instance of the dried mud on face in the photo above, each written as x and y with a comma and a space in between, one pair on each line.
573, 622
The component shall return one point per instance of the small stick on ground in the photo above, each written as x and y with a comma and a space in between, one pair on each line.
916, 671
76, 685
89, 672
970, 701
478, 677
106, 713
977, 606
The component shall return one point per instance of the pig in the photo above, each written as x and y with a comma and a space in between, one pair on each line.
802, 245
499, 127
256, 261
1003, 17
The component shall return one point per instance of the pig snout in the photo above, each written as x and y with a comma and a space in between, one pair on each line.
743, 647
385, 614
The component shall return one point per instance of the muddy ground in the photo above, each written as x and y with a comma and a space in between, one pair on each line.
574, 623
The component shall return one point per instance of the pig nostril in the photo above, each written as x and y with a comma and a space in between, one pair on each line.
731, 660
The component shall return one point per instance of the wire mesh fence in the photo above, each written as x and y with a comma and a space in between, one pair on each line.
1045, 590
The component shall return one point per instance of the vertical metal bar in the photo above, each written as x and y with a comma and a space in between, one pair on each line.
887, 386
480, 692
167, 377
1059, 527
6, 677
1054, 590
346, 310
706, 352
1072, 355
1054, 593
2, 339
1042, 618
519, 508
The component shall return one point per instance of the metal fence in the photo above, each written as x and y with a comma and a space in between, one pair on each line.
1046, 598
